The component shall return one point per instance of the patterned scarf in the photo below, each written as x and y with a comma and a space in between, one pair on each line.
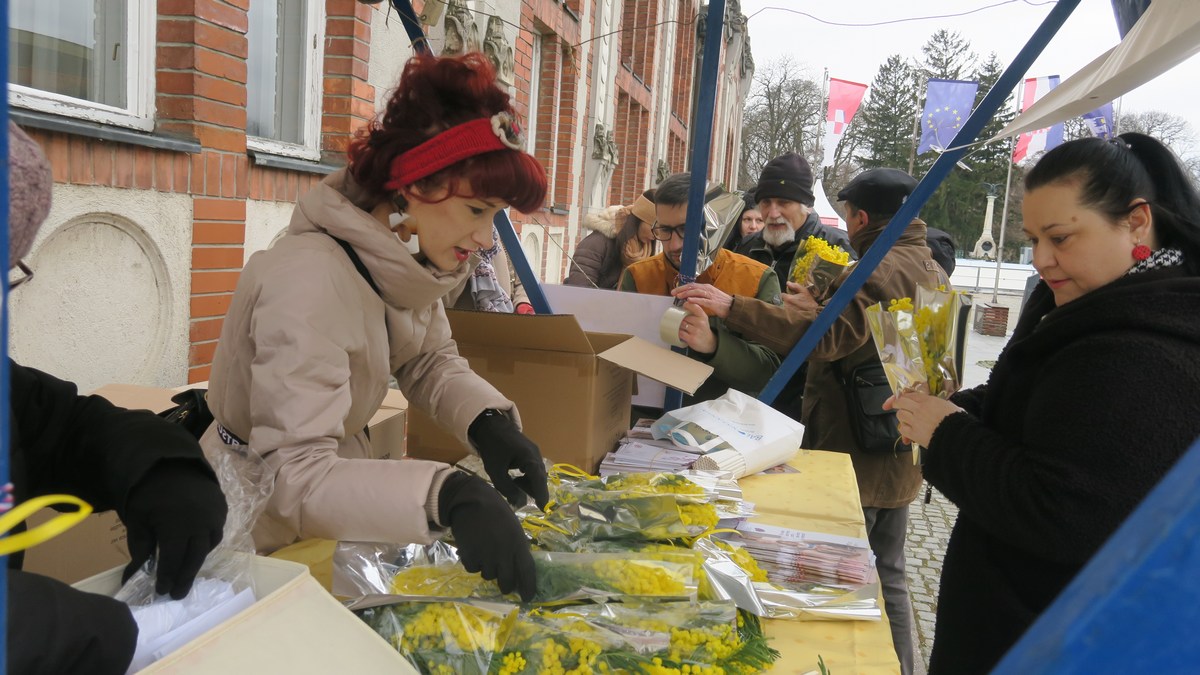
486, 291
1163, 257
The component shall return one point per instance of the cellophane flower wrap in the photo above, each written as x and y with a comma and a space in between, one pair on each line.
819, 266
922, 344
445, 637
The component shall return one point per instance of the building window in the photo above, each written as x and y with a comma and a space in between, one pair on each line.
92, 59
283, 72
535, 85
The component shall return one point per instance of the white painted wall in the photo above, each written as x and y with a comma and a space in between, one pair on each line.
389, 51
109, 301
265, 222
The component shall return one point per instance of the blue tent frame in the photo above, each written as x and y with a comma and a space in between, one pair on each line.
1135, 597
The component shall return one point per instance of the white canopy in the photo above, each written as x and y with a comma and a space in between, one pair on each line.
825, 211
1167, 34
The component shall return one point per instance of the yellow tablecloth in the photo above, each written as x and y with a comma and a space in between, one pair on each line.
822, 497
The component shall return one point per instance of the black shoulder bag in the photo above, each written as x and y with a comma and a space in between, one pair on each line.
866, 388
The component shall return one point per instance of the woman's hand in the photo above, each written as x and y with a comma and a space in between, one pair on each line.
919, 415
694, 330
799, 298
707, 296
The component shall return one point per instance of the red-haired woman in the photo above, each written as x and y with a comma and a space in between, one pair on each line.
350, 296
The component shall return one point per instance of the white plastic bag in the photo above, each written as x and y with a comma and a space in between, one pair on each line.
739, 434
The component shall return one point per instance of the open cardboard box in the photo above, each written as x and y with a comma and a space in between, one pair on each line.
294, 627
572, 388
98, 543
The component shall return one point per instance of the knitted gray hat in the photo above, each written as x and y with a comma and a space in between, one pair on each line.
29, 186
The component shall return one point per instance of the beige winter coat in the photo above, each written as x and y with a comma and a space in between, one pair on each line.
303, 363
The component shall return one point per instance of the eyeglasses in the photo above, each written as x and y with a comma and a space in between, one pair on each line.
665, 232
26, 275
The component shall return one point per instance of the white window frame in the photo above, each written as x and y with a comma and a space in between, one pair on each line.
535, 92
141, 17
314, 76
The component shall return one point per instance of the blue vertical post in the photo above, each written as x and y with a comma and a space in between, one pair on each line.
912, 206
702, 123
504, 226
5, 407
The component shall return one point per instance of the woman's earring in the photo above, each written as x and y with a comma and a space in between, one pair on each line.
396, 221
1141, 252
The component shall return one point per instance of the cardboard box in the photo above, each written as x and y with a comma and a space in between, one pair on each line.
98, 543
571, 387
295, 627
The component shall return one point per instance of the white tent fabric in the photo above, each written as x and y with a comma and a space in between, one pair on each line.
1167, 34
825, 210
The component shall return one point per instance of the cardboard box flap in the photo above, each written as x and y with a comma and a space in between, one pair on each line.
548, 332
656, 363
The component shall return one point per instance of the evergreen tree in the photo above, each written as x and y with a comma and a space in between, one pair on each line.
883, 128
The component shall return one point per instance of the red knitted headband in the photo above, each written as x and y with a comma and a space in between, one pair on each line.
486, 134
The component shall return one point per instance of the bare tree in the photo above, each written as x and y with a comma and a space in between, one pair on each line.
1174, 131
783, 114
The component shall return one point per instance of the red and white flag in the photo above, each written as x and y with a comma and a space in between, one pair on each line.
1032, 143
844, 99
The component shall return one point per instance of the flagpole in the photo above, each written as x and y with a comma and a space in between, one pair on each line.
1004, 214
912, 154
824, 116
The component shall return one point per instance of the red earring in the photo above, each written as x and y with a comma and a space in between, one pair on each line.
1141, 252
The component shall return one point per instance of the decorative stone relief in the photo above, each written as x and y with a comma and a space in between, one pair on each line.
604, 148
499, 51
662, 172
462, 35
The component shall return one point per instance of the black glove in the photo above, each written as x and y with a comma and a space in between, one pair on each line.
178, 509
489, 538
502, 446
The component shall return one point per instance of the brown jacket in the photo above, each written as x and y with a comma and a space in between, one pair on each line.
303, 363
884, 481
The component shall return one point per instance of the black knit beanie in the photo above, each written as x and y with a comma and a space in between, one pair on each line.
786, 177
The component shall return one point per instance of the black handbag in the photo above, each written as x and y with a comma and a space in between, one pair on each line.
190, 412
866, 388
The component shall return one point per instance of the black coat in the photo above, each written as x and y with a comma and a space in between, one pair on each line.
62, 442
1088, 407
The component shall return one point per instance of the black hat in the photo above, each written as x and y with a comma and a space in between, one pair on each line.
786, 177
750, 202
879, 192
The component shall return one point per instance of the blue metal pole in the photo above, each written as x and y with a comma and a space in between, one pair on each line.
1133, 608
912, 206
412, 26
702, 123
512, 244
5, 406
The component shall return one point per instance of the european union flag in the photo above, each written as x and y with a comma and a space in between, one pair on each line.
948, 103
1100, 121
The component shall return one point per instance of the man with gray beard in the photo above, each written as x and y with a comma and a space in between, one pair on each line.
785, 198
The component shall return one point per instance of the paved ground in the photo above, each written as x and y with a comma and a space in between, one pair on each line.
929, 525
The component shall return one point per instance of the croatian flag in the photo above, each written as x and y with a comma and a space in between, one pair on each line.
948, 104
1032, 143
1100, 121
844, 99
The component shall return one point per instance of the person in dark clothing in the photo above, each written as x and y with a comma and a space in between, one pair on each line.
750, 222
148, 469
785, 198
1091, 403
942, 247
619, 237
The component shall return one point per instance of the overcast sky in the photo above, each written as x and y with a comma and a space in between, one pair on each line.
855, 53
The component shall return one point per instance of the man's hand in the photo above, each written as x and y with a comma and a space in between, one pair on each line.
695, 331
707, 296
799, 298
